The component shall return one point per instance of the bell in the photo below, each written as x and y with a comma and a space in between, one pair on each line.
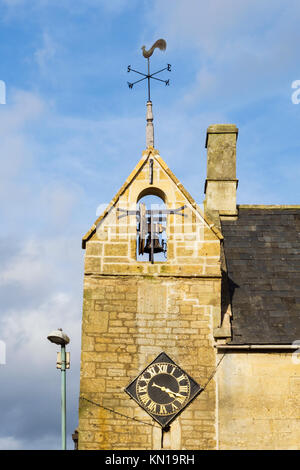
157, 247
141, 245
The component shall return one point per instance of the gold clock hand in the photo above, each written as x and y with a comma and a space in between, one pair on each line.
179, 395
168, 391
164, 389
155, 385
174, 394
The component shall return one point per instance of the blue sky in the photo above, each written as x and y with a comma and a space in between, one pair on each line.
71, 131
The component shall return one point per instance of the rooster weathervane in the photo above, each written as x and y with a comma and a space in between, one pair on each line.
162, 45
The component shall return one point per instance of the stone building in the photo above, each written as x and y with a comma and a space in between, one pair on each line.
216, 290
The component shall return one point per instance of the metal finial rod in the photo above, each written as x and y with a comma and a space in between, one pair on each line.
148, 60
149, 126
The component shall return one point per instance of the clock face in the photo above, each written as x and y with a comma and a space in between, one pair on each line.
163, 389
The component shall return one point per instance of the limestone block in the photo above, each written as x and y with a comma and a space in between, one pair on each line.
88, 370
92, 264
152, 300
93, 248
116, 249
96, 322
90, 384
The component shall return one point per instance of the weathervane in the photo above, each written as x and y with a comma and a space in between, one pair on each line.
160, 44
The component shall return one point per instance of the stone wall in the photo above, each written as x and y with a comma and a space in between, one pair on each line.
259, 401
127, 322
133, 310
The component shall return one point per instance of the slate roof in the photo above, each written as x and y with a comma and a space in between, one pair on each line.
262, 250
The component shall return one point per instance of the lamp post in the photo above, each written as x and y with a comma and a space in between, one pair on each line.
60, 338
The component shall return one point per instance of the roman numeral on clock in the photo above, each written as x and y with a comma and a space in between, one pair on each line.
182, 377
152, 406
143, 389
162, 409
162, 368
174, 407
152, 371
145, 398
180, 399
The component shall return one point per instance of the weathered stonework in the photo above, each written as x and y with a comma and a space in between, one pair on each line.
221, 182
134, 310
258, 404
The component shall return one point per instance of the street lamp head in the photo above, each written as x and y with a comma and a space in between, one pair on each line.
58, 337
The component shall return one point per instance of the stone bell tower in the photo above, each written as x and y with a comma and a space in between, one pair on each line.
152, 305
134, 309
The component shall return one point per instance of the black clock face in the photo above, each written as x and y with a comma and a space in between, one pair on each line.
163, 389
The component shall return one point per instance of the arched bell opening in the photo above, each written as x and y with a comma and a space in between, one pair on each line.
153, 191
151, 227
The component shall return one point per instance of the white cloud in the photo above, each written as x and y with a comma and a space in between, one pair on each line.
243, 49
46, 52
50, 271
10, 443
16, 147
36, 262
25, 267
210, 26
40, 291
24, 107
25, 330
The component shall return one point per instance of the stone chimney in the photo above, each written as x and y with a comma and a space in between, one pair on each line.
221, 183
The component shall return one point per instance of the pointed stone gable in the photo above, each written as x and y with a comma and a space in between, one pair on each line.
193, 241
